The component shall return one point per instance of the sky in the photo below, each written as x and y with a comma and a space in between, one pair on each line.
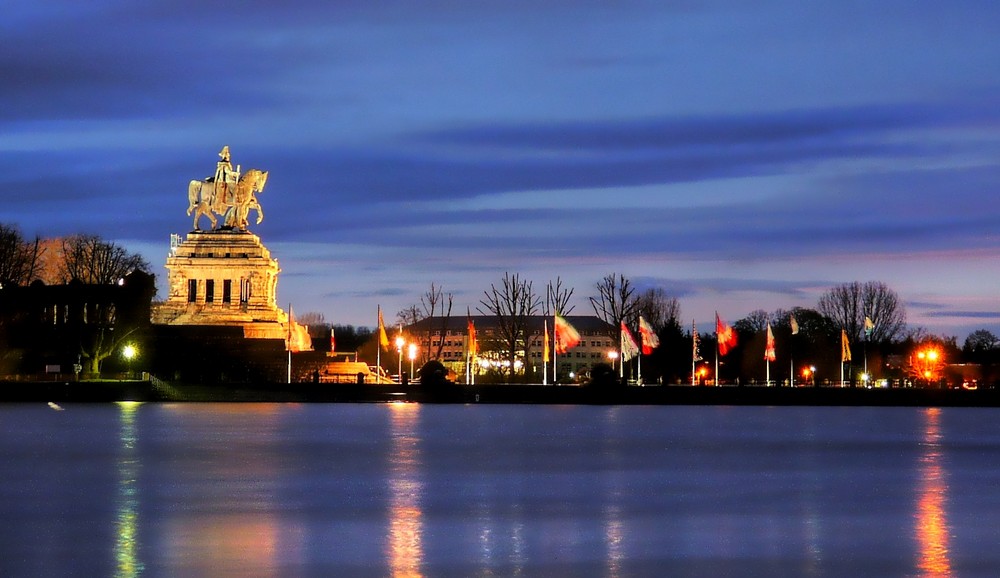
739, 155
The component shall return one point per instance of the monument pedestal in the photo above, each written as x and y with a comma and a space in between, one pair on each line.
223, 278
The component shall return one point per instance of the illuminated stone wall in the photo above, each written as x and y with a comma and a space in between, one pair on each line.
223, 278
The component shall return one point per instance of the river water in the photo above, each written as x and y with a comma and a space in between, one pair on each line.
289, 490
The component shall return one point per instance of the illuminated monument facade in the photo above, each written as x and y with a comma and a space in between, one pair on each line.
224, 276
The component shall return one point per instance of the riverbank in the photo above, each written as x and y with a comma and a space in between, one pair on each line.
158, 391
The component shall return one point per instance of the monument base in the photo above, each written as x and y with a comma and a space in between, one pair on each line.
223, 279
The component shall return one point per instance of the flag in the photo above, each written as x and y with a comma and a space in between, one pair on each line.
725, 335
695, 354
845, 347
794, 324
565, 335
769, 347
383, 339
545, 349
629, 347
868, 326
297, 337
473, 344
333, 341
649, 339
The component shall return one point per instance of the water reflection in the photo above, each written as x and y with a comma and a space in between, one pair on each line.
127, 562
931, 518
614, 527
405, 540
227, 471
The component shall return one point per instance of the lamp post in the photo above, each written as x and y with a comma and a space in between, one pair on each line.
928, 364
613, 358
400, 342
129, 352
808, 373
413, 355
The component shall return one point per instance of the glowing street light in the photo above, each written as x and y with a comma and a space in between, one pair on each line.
400, 342
613, 358
413, 355
809, 372
928, 363
129, 352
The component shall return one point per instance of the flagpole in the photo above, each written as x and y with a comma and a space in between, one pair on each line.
288, 343
555, 350
694, 350
545, 351
378, 349
621, 355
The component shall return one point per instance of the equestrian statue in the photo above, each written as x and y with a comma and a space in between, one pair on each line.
227, 194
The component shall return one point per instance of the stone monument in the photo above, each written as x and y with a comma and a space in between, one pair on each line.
225, 276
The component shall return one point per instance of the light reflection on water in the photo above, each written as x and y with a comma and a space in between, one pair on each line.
126, 546
407, 490
405, 527
932, 497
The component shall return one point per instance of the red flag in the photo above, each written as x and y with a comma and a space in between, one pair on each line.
566, 336
473, 344
769, 347
333, 341
725, 335
629, 347
649, 339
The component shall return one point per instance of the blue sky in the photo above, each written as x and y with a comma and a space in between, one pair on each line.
741, 155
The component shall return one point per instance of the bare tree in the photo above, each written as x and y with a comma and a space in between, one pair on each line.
436, 303
850, 304
557, 299
659, 309
512, 304
92, 260
411, 315
616, 301
755, 322
19, 259
312, 319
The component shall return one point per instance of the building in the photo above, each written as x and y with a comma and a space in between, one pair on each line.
72, 328
447, 340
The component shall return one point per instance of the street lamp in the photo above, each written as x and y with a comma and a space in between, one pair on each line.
400, 342
129, 352
413, 355
928, 363
613, 358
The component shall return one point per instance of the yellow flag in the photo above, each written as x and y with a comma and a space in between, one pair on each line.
383, 339
845, 347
